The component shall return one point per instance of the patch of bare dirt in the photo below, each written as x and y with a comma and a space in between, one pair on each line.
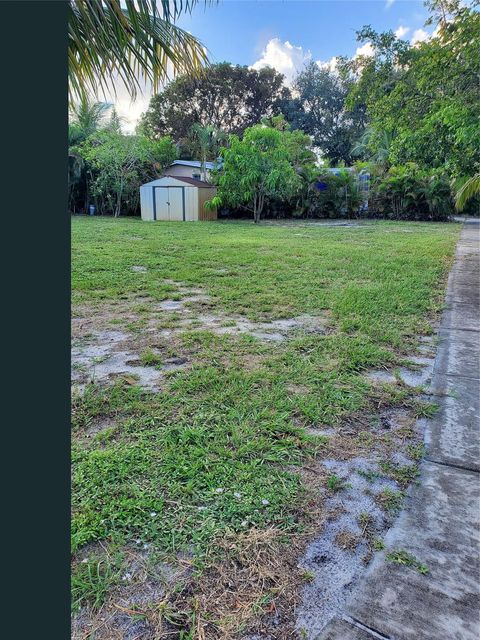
135, 606
109, 337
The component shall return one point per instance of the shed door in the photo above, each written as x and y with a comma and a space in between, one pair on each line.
161, 203
175, 199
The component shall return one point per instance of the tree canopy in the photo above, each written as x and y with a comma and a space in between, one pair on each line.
319, 110
225, 96
425, 97
116, 166
266, 163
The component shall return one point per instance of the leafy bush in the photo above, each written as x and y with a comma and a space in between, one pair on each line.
407, 192
333, 196
263, 167
117, 165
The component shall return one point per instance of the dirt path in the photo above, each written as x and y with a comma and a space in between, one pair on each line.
425, 585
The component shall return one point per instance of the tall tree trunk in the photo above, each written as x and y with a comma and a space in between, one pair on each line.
204, 166
257, 208
86, 194
118, 206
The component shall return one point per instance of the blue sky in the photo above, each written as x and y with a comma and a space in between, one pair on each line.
239, 30
286, 34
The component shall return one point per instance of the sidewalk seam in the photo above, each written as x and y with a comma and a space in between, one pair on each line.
371, 632
452, 466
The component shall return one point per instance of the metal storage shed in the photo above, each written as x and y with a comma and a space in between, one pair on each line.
176, 198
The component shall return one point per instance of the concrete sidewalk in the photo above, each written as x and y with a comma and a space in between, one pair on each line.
440, 524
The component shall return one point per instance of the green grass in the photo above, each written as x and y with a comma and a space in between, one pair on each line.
150, 359
92, 579
216, 450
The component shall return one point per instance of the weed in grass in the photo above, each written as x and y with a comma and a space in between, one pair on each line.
403, 474
391, 500
400, 556
378, 544
228, 323
137, 326
334, 483
104, 436
93, 578
365, 521
150, 359
366, 439
416, 451
308, 576
369, 474
425, 409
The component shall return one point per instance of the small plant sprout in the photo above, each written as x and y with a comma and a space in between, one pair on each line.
400, 556
391, 500
308, 575
365, 520
369, 474
403, 474
334, 483
378, 544
425, 409
416, 451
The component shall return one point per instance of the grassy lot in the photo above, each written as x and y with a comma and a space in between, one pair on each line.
212, 465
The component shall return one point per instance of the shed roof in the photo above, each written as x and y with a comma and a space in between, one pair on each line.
194, 163
192, 181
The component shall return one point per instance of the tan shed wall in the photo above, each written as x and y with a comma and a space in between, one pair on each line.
203, 196
191, 205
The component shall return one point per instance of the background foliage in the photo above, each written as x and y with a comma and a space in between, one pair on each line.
411, 112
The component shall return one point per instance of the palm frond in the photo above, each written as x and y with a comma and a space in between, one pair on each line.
87, 116
470, 189
131, 41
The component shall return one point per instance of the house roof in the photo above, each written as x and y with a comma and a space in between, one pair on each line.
192, 181
194, 163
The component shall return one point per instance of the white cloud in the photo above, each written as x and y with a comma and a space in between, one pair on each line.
365, 50
286, 58
389, 3
331, 64
131, 110
401, 31
419, 35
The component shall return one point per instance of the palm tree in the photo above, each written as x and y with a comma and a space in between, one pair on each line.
86, 117
209, 140
115, 122
382, 147
130, 41
470, 189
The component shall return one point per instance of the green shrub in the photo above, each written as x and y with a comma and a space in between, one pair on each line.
333, 196
407, 192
